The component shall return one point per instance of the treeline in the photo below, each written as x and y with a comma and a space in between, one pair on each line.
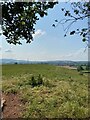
83, 67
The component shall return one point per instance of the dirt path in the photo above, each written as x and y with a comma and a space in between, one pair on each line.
13, 106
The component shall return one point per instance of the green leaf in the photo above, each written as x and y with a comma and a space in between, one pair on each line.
56, 20
23, 23
66, 14
76, 11
84, 34
73, 32
65, 35
53, 25
84, 39
41, 14
62, 9
84, 29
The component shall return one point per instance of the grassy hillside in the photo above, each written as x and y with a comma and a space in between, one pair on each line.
63, 92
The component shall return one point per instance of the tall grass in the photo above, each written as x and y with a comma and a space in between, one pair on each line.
62, 94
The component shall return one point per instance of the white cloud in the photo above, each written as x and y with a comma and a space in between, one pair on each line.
46, 55
8, 51
38, 33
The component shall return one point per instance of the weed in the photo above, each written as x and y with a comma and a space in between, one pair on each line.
33, 81
12, 90
39, 80
36, 81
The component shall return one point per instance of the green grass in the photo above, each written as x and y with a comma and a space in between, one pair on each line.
64, 92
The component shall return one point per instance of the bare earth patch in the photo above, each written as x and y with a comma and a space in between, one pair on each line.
12, 107
70, 67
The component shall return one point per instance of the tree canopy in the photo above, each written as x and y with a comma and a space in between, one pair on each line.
19, 19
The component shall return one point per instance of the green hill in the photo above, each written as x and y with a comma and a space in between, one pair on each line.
62, 93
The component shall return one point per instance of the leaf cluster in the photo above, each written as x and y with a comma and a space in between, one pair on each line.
36, 82
19, 19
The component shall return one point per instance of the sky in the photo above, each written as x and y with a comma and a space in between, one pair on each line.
49, 43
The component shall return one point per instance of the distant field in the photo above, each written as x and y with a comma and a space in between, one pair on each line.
63, 93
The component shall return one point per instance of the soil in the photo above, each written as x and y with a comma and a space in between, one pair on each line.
12, 107
70, 67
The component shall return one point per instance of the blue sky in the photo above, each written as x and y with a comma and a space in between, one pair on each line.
49, 43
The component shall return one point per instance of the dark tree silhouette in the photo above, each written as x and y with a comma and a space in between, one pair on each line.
19, 19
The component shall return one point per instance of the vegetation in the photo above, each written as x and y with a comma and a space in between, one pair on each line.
88, 67
36, 82
83, 68
79, 12
47, 91
79, 68
19, 19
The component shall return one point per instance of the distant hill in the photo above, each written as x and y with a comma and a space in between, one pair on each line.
12, 61
55, 62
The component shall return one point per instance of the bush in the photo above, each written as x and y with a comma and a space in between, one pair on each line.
39, 80
33, 81
79, 68
88, 67
36, 82
16, 63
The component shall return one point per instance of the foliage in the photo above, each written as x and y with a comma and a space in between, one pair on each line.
39, 80
88, 66
79, 11
15, 63
79, 68
19, 19
36, 82
33, 81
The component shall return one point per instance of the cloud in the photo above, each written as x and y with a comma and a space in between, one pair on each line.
8, 51
38, 33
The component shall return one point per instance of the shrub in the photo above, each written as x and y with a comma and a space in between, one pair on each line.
39, 80
36, 82
88, 67
79, 68
16, 63
33, 81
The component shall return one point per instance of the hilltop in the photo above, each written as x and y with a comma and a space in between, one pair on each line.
53, 62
